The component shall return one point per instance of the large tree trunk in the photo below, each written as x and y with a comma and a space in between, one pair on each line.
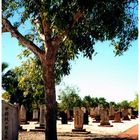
50, 99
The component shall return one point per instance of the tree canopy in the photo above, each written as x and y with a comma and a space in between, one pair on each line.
69, 98
135, 103
75, 25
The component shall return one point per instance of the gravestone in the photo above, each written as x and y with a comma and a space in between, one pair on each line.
10, 122
104, 118
111, 113
135, 113
92, 112
85, 117
97, 112
131, 114
78, 120
117, 117
35, 115
22, 115
42, 120
125, 114
69, 116
63, 116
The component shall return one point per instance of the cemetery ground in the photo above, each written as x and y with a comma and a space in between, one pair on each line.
126, 130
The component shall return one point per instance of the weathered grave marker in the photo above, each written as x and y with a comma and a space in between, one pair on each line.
42, 120
35, 115
117, 118
111, 113
22, 115
10, 122
105, 118
125, 114
78, 120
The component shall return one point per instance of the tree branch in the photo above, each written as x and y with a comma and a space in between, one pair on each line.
8, 27
63, 35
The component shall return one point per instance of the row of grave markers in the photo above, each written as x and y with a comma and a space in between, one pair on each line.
13, 116
95, 113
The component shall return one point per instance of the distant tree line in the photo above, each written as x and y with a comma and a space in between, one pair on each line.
24, 85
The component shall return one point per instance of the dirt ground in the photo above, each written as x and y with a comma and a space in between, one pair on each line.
130, 134
128, 130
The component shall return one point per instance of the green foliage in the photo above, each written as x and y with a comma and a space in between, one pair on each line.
30, 80
102, 101
4, 66
135, 103
124, 104
10, 85
87, 101
6, 96
69, 98
83, 22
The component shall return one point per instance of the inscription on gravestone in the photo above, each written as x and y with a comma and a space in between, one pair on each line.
78, 118
9, 121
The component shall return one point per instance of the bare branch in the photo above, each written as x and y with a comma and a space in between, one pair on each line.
8, 27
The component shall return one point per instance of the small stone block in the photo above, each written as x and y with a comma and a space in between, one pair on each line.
105, 125
78, 130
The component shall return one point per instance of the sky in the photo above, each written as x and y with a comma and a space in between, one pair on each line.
114, 78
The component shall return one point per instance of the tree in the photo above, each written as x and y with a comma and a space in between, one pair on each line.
61, 29
124, 104
135, 103
95, 101
30, 80
87, 101
69, 98
10, 85
4, 66
102, 101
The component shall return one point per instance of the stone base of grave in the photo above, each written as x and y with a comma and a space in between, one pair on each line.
80, 131
133, 117
40, 127
97, 119
23, 122
35, 119
117, 122
105, 125
111, 117
126, 118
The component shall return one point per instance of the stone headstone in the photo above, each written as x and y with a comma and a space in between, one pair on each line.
42, 120
104, 118
10, 122
35, 115
22, 115
85, 121
78, 119
63, 116
125, 114
97, 112
92, 113
117, 117
111, 113
131, 114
